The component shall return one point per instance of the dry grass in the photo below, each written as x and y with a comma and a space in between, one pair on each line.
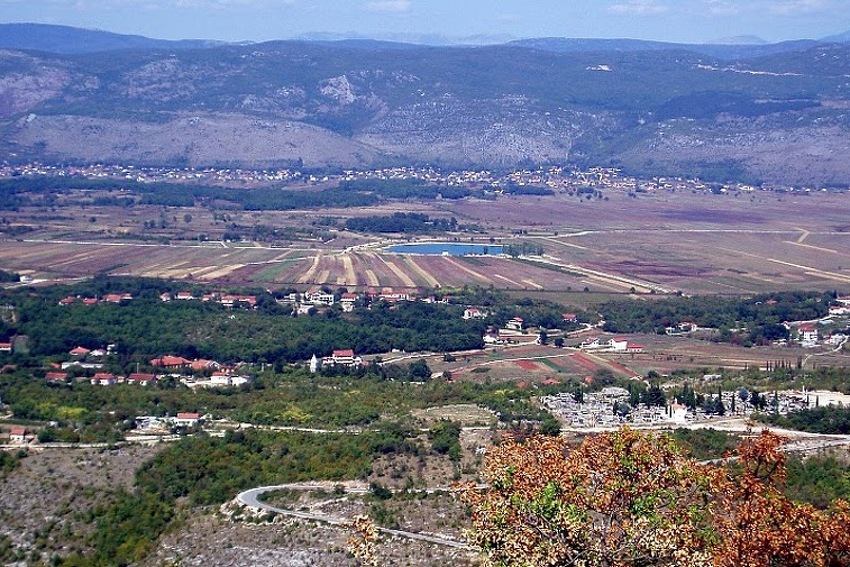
692, 242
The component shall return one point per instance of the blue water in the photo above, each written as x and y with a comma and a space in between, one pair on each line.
450, 248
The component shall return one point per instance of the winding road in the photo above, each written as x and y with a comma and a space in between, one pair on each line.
251, 499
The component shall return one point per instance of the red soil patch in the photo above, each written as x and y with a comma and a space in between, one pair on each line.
585, 362
527, 365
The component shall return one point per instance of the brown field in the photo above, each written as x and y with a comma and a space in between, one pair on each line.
528, 365
691, 242
662, 354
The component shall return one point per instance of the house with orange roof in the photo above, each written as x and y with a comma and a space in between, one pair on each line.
186, 419
171, 362
345, 357
18, 435
79, 351
141, 379
117, 297
200, 364
103, 379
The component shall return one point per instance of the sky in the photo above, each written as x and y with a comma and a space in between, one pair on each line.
686, 21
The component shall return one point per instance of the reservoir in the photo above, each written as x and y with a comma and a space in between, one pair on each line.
446, 249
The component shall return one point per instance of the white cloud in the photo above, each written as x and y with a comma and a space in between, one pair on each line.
204, 3
640, 7
396, 6
788, 7
722, 7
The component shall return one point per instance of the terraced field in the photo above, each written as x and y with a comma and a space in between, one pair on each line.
652, 243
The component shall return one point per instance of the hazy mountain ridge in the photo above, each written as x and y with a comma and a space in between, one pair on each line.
69, 40
338, 104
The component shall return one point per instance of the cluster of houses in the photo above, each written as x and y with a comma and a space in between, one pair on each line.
682, 328
303, 303
19, 435
554, 177
226, 299
154, 424
808, 335
213, 374
108, 298
513, 332
104, 378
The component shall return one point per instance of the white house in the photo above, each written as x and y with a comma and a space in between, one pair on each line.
474, 313
18, 435
103, 379
318, 297
343, 358
618, 344
186, 419
807, 334
515, 324
839, 309
347, 300
491, 338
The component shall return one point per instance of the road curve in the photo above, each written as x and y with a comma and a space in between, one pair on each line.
251, 499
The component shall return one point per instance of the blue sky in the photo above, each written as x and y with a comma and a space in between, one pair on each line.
693, 21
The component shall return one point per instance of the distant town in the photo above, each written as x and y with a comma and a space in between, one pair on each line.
555, 178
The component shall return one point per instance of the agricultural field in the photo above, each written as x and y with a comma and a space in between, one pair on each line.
663, 242
536, 364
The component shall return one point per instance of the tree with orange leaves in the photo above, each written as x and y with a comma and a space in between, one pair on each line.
630, 498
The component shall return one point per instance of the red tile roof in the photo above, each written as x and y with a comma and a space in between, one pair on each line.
169, 361
139, 377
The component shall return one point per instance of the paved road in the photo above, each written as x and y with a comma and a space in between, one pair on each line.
251, 498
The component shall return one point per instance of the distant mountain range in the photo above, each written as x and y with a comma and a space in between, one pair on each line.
69, 40
773, 112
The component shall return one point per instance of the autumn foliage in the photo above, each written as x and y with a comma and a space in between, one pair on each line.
362, 543
630, 498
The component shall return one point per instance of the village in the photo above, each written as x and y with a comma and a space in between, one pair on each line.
555, 178
609, 406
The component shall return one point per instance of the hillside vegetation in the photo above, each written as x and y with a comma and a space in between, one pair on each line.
290, 103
